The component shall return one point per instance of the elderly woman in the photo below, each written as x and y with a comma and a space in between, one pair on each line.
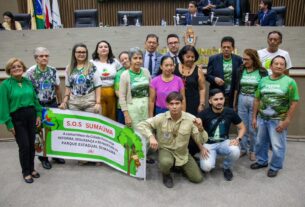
20, 111
9, 22
248, 76
47, 86
107, 67
134, 90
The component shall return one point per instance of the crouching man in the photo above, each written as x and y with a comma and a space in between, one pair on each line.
217, 120
174, 129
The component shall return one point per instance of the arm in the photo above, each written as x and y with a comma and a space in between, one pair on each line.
146, 129
241, 132
64, 103
201, 137
284, 124
201, 84
182, 92
235, 101
5, 117
58, 94
98, 107
152, 99
255, 111
123, 98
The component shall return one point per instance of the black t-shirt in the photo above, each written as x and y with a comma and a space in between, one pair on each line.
220, 132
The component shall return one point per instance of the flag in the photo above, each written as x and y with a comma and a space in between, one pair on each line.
56, 15
47, 13
31, 12
40, 20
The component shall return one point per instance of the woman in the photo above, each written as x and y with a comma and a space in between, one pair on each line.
134, 90
20, 111
193, 79
9, 22
163, 84
248, 76
124, 60
107, 67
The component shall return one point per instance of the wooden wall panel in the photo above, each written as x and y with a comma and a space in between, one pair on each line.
154, 11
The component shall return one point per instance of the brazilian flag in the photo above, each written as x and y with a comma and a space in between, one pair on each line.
40, 19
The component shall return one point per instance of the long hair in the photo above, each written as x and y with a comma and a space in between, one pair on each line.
161, 62
10, 15
185, 49
95, 55
73, 62
254, 57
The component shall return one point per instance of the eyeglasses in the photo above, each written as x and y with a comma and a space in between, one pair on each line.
81, 52
41, 56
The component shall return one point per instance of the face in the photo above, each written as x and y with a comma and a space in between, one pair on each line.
151, 44
167, 66
247, 61
173, 45
274, 40
278, 66
136, 61
262, 6
217, 101
103, 49
7, 19
42, 59
17, 69
189, 58
192, 9
175, 107
227, 49
124, 59
80, 54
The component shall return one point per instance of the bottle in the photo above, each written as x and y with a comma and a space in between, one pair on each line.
163, 23
125, 20
247, 19
138, 23
177, 19
212, 17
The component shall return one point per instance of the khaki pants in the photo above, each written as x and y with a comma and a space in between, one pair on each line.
83, 103
191, 169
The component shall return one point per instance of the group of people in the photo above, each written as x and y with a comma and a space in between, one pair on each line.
164, 97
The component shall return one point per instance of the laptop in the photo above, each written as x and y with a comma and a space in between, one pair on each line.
201, 20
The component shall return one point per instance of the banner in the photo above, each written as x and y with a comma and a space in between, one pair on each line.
86, 136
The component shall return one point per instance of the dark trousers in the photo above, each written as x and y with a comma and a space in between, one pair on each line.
24, 120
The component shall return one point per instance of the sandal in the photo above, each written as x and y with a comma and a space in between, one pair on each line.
28, 179
35, 174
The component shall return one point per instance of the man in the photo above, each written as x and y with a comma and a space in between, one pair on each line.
206, 6
217, 120
173, 130
152, 58
276, 100
222, 69
192, 12
46, 83
274, 39
173, 44
266, 16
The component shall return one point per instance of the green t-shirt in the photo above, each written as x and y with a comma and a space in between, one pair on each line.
249, 82
276, 96
139, 84
227, 71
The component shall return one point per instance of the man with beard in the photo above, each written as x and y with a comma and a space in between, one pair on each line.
217, 120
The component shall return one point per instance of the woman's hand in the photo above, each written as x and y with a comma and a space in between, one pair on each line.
128, 120
63, 105
38, 121
97, 108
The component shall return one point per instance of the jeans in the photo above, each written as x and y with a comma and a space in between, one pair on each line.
267, 135
245, 110
224, 148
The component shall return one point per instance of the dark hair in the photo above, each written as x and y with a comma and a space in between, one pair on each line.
172, 35
276, 32
228, 39
194, 3
165, 57
123, 52
185, 49
215, 91
254, 57
268, 3
152, 36
10, 15
110, 57
279, 56
174, 96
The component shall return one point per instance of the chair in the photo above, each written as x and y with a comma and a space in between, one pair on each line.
86, 18
225, 17
181, 12
281, 13
24, 20
132, 17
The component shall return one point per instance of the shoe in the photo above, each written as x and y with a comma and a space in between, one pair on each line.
46, 164
35, 174
272, 173
168, 181
28, 179
255, 166
59, 160
82, 163
242, 154
227, 174
252, 156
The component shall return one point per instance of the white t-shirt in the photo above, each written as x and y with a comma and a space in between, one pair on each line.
266, 57
107, 71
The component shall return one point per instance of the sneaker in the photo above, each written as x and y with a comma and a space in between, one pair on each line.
168, 181
228, 175
272, 173
256, 166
